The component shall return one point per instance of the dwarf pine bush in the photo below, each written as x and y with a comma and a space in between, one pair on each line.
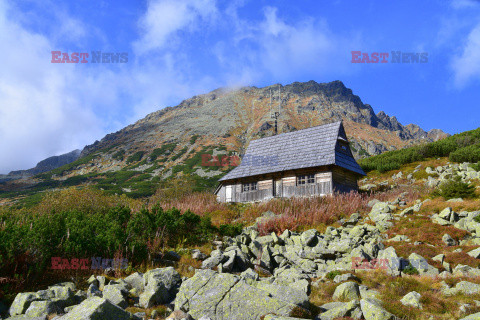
455, 188
29, 240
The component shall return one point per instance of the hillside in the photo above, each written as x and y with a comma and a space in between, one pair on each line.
43, 166
169, 143
234, 117
462, 147
408, 247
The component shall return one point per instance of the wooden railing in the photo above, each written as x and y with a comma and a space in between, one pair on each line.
256, 195
322, 188
317, 189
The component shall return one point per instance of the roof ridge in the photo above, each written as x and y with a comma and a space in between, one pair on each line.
296, 131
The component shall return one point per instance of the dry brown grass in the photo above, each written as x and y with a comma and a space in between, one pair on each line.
323, 293
85, 200
407, 169
455, 258
304, 213
163, 313
319, 212
437, 204
198, 202
393, 289
421, 228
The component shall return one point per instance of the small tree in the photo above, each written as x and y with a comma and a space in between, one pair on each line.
455, 188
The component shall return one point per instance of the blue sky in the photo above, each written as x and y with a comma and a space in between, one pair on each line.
179, 48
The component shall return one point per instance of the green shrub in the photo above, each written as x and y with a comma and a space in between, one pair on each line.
119, 155
466, 154
410, 270
179, 154
29, 241
193, 139
476, 166
230, 230
162, 150
332, 274
460, 148
137, 156
455, 188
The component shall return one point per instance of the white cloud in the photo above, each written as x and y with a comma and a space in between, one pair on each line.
276, 48
466, 65
44, 108
166, 17
464, 4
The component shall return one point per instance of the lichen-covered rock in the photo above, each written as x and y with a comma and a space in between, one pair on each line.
421, 264
344, 277
42, 308
348, 309
445, 213
135, 280
412, 299
461, 270
309, 237
102, 281
70, 285
372, 310
199, 255
436, 219
285, 293
448, 240
45, 294
474, 316
22, 302
382, 207
389, 258
214, 260
116, 295
93, 280
64, 295
226, 296
347, 291
293, 278
474, 253
79, 296
93, 291
161, 285
97, 309
467, 287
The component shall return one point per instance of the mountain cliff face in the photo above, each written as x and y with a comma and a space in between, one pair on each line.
172, 141
235, 117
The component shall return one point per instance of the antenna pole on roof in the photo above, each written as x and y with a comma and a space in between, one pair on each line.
276, 113
270, 100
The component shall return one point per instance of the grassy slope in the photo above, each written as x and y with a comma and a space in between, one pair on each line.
463, 147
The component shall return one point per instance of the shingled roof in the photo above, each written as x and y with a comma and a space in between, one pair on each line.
312, 147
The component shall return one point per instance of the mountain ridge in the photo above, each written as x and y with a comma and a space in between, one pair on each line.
170, 142
333, 93
44, 165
